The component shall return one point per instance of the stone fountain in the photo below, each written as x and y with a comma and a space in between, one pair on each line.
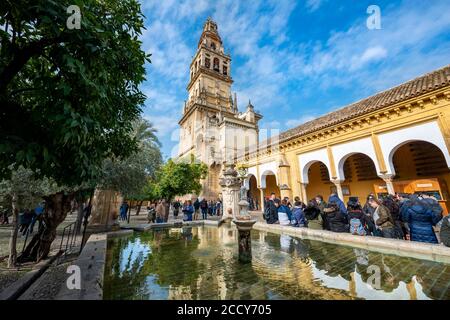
233, 186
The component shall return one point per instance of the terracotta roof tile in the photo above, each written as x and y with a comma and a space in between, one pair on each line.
420, 85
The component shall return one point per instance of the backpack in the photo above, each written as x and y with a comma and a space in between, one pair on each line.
311, 212
266, 214
356, 227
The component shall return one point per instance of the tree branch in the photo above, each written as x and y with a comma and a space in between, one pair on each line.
21, 57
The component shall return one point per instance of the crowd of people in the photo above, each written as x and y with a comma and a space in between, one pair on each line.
27, 218
400, 216
158, 212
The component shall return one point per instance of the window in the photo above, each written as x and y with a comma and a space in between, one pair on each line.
207, 63
213, 46
195, 66
225, 70
216, 64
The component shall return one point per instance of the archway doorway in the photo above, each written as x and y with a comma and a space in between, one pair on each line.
253, 193
318, 181
420, 167
361, 178
269, 184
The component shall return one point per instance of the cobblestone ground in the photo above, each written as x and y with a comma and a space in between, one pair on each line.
49, 284
8, 276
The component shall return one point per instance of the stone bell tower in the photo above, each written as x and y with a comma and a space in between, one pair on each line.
211, 127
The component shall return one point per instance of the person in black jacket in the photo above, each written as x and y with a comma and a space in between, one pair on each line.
356, 217
336, 220
444, 233
272, 211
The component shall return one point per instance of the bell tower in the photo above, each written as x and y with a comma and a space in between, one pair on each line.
211, 126
210, 71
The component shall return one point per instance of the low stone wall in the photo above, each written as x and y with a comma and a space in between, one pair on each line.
419, 250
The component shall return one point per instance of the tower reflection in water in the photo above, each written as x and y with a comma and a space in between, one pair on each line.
202, 263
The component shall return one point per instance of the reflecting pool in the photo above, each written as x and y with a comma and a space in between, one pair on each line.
201, 263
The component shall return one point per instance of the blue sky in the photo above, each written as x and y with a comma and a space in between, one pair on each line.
295, 60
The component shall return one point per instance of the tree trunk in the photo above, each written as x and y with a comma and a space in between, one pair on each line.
12, 260
139, 207
80, 213
57, 206
129, 213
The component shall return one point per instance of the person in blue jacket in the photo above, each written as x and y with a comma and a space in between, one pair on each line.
188, 210
284, 213
421, 217
341, 205
298, 216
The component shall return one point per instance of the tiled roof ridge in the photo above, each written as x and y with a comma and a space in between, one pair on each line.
395, 94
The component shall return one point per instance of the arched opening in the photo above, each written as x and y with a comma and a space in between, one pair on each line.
419, 167
318, 180
216, 64
361, 177
253, 193
269, 184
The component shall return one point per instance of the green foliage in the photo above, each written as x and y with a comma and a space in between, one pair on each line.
69, 97
130, 175
180, 178
28, 189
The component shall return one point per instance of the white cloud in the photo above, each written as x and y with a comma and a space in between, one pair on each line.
296, 122
313, 5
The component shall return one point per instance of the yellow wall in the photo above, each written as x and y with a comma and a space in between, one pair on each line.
432, 106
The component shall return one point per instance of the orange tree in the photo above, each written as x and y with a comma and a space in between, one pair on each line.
68, 96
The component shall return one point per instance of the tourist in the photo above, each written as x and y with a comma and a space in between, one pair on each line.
421, 218
218, 207
123, 211
390, 202
298, 216
256, 204
160, 212
196, 208
382, 218
151, 213
432, 203
314, 215
25, 220
176, 208
356, 217
271, 211
334, 198
336, 220
38, 212
4, 215
289, 204
188, 210
368, 212
444, 233
204, 209
284, 213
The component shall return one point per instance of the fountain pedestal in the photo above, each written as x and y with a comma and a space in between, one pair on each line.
245, 241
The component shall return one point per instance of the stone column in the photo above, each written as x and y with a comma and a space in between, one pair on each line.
388, 178
338, 185
303, 195
285, 191
262, 199
230, 185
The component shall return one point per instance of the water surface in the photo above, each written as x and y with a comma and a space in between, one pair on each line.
201, 263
